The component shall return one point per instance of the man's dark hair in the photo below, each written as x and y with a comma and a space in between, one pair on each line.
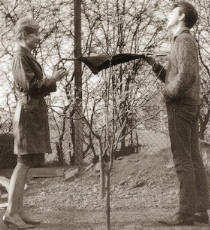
191, 15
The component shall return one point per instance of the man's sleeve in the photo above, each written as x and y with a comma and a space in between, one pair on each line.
187, 64
160, 71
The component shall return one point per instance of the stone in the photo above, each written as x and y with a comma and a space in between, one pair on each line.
138, 184
71, 174
123, 182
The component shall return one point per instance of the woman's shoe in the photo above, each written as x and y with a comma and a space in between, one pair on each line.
10, 222
202, 217
178, 219
27, 220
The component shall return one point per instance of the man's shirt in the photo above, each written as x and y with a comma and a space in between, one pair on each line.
181, 78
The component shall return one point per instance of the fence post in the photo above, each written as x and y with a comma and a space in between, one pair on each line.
78, 84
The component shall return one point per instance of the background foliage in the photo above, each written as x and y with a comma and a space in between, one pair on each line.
108, 27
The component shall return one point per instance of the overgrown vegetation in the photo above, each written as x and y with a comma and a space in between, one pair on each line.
108, 27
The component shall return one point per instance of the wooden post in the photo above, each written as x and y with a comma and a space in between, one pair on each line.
78, 84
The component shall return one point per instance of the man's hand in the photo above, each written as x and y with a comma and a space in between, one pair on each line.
149, 59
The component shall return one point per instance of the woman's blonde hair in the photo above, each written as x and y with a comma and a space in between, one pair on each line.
25, 26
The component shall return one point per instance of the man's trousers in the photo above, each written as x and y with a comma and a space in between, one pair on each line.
184, 136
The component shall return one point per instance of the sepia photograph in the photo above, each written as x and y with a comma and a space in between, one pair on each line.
105, 114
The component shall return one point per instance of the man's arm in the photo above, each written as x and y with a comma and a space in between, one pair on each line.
187, 66
159, 70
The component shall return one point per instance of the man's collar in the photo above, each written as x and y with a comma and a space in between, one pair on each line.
182, 30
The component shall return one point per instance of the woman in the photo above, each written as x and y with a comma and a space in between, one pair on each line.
31, 129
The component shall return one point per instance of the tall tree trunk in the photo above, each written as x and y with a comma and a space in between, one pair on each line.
78, 84
102, 172
108, 208
59, 147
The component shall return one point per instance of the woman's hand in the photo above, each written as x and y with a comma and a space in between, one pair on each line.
59, 74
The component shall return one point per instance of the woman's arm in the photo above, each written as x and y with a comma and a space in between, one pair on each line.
26, 79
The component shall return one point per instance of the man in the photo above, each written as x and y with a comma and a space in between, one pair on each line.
182, 97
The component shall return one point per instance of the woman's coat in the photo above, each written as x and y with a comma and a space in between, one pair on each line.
31, 128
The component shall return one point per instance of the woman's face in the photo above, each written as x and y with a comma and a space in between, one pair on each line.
32, 40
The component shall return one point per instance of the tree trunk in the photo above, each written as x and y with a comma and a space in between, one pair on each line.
102, 172
59, 147
78, 84
108, 208
72, 135
102, 177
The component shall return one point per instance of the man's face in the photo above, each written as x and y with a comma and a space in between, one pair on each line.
174, 17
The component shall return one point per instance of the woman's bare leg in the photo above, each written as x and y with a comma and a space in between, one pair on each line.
16, 191
27, 219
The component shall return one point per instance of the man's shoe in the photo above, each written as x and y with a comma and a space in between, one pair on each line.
179, 219
202, 217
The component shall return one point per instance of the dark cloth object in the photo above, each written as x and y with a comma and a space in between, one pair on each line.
184, 136
181, 78
98, 63
32, 160
30, 125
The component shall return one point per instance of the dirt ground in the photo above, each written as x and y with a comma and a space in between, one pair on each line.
144, 189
